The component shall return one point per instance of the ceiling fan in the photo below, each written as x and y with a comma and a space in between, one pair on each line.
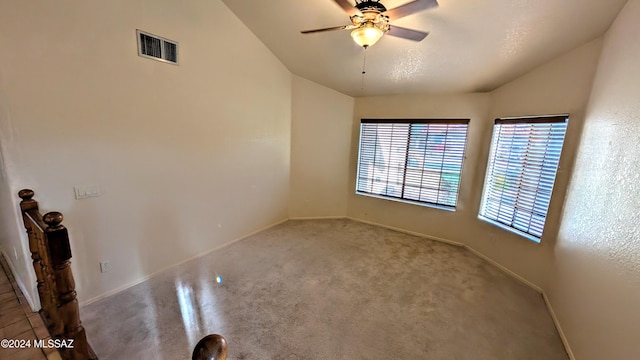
370, 20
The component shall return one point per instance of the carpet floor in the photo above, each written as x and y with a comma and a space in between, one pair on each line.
328, 289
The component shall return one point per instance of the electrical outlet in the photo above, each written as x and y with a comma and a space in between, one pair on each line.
105, 266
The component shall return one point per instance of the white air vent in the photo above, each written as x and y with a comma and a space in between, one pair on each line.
157, 48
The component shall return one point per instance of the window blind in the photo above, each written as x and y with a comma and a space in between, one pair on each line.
521, 172
413, 160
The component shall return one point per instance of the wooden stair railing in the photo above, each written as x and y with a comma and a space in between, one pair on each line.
210, 347
51, 254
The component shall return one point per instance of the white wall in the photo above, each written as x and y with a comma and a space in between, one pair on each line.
561, 86
12, 246
596, 287
188, 157
320, 145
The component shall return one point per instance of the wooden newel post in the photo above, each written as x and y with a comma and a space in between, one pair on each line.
60, 255
51, 254
27, 204
37, 247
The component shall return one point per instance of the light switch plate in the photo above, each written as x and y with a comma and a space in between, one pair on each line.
86, 191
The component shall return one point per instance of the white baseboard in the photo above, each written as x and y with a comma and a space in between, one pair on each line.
298, 218
535, 287
147, 277
27, 294
563, 337
504, 269
434, 238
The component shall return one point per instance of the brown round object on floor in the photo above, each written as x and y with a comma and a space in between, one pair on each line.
210, 347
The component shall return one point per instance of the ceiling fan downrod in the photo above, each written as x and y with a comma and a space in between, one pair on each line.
364, 67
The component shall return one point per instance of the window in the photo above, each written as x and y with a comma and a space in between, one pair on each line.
412, 160
522, 169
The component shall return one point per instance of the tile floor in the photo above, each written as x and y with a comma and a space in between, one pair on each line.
18, 321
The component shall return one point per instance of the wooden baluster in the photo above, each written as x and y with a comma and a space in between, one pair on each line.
27, 204
54, 323
38, 253
60, 254
210, 347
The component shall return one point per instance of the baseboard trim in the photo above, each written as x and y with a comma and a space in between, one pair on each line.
504, 269
563, 337
155, 273
409, 232
27, 295
298, 218
535, 287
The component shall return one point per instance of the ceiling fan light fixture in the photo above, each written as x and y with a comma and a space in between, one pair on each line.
367, 35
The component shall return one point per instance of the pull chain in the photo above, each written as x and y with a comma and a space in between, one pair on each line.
364, 66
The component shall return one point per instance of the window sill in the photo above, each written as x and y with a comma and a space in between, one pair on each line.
433, 206
510, 229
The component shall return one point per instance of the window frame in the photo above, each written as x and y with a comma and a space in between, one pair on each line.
410, 122
482, 215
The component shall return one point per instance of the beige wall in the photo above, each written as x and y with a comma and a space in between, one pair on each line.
193, 156
560, 86
320, 144
596, 287
188, 157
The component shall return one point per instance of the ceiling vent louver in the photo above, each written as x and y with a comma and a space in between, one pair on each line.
157, 48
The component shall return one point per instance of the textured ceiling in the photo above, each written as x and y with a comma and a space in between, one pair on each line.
474, 45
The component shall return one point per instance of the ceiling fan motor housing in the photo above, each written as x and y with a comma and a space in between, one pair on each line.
370, 20
370, 6
371, 15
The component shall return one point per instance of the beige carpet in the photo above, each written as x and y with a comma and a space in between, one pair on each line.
329, 289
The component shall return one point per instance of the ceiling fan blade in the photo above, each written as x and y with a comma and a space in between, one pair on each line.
344, 27
410, 8
347, 7
405, 33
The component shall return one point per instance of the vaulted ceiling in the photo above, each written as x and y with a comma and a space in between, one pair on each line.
473, 45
